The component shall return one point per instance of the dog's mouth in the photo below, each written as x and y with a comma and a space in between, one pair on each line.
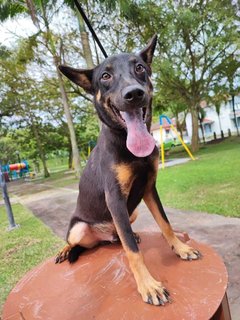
139, 141
120, 114
117, 114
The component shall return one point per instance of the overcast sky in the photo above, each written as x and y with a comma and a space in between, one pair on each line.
12, 29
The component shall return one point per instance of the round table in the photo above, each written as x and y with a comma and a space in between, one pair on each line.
101, 286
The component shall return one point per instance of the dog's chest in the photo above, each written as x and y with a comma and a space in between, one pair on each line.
128, 173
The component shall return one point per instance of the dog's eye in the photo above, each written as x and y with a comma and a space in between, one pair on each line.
106, 76
139, 68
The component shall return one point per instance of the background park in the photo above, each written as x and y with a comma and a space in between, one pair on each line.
51, 123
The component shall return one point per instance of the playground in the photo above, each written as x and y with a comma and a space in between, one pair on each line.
47, 119
53, 201
15, 171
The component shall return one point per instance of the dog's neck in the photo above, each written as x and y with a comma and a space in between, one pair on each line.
116, 136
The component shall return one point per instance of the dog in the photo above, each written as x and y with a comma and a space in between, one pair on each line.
122, 168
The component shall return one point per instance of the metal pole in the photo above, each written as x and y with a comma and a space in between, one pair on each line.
12, 224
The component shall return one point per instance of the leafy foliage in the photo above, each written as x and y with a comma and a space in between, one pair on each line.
9, 9
197, 59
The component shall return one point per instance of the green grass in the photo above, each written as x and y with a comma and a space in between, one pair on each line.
60, 175
53, 164
210, 184
58, 179
23, 248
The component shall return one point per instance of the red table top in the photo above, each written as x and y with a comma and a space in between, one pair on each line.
101, 286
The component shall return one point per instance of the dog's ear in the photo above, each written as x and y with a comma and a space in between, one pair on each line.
147, 53
82, 77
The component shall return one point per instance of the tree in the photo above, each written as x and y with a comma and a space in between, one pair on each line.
9, 9
196, 42
28, 102
40, 11
8, 149
24, 99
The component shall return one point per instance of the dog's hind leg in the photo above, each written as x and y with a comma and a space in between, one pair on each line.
80, 237
153, 203
133, 218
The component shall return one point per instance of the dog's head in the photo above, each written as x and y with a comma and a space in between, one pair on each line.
122, 91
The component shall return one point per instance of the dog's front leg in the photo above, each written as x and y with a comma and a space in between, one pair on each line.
153, 203
151, 290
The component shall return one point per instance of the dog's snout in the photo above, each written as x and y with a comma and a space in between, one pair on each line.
133, 93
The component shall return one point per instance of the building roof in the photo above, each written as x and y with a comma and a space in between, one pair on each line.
207, 120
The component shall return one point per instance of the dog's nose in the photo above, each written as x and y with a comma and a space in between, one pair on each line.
133, 94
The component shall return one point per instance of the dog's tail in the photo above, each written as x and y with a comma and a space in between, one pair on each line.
75, 252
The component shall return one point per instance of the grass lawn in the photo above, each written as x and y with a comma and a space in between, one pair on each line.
22, 248
209, 184
59, 179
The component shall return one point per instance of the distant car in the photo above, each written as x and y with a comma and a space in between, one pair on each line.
173, 142
169, 143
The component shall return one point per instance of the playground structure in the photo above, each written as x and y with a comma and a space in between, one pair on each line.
91, 145
178, 136
16, 170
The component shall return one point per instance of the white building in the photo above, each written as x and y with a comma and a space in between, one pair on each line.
211, 123
214, 124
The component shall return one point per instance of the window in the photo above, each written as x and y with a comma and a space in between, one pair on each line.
207, 128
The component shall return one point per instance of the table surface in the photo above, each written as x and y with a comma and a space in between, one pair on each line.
101, 286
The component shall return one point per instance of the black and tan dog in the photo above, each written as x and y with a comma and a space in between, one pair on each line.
122, 168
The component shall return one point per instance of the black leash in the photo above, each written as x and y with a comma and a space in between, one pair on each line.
80, 9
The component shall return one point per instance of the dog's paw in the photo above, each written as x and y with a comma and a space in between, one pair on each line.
185, 252
137, 237
63, 254
154, 293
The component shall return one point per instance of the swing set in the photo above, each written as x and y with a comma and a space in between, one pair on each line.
178, 136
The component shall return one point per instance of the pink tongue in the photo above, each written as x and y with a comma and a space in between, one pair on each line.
139, 141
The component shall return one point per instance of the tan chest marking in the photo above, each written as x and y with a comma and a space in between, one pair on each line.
125, 177
98, 96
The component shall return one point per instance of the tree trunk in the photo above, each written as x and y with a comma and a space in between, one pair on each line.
49, 39
202, 130
70, 158
234, 114
195, 138
178, 125
85, 42
87, 52
75, 151
40, 148
220, 126
219, 121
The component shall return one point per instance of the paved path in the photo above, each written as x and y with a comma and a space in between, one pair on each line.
174, 162
54, 207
